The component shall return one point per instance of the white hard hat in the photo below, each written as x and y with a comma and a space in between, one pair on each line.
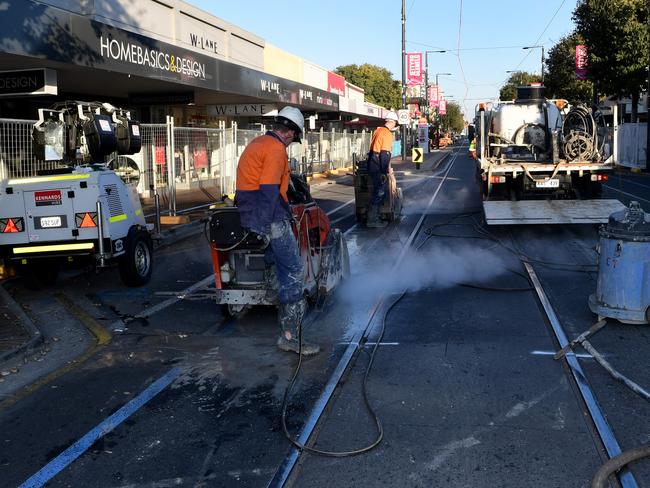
390, 115
292, 118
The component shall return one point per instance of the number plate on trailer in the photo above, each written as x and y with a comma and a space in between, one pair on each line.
554, 183
50, 222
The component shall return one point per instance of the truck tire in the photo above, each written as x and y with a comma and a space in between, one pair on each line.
237, 312
136, 264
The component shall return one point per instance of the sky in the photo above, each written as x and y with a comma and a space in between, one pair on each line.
483, 38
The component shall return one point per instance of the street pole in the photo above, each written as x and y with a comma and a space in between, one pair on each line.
647, 108
437, 118
403, 76
426, 85
532, 47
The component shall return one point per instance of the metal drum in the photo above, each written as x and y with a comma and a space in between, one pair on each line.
623, 289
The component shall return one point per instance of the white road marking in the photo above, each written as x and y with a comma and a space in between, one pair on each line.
552, 353
340, 207
626, 193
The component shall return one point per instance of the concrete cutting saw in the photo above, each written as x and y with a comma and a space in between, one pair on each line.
243, 277
390, 209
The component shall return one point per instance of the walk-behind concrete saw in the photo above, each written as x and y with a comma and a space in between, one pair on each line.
243, 277
390, 209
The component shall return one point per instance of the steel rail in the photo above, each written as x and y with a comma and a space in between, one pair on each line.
286, 467
595, 412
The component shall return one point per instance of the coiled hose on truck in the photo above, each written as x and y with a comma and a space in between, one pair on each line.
580, 134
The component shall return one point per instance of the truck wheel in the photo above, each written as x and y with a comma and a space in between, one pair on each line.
136, 265
232, 311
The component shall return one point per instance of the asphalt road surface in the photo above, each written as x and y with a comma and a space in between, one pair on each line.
463, 380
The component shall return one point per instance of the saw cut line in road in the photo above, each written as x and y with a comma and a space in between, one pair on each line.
63, 460
287, 466
602, 426
119, 325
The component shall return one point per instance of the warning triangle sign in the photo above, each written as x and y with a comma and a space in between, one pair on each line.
88, 221
11, 227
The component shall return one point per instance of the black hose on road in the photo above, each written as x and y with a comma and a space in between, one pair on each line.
616, 463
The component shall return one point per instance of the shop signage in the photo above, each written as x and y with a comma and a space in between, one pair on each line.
154, 58
82, 41
41, 81
242, 110
335, 84
204, 43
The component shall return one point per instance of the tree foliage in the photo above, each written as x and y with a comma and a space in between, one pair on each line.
453, 120
519, 78
616, 35
377, 82
560, 78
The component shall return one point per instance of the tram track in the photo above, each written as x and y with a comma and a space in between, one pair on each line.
600, 427
317, 415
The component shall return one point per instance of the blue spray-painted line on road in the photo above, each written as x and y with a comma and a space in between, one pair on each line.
59, 463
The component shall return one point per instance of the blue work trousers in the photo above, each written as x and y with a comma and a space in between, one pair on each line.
283, 252
379, 187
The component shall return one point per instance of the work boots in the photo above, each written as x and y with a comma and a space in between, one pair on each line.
290, 316
373, 220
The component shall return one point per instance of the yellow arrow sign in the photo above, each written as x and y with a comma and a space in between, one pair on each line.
417, 155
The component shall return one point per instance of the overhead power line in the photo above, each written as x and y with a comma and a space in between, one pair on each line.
452, 50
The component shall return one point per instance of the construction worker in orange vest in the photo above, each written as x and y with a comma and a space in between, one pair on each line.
379, 157
262, 182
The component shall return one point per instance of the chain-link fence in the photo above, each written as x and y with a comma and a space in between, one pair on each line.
180, 163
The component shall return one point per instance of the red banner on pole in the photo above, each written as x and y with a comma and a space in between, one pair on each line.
581, 62
433, 96
414, 69
442, 108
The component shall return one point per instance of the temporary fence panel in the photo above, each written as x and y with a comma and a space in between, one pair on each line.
152, 159
181, 158
17, 158
631, 145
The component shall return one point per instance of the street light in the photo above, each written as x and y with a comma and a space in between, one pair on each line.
532, 47
441, 74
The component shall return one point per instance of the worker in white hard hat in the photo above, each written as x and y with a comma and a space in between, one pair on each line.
261, 197
379, 165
